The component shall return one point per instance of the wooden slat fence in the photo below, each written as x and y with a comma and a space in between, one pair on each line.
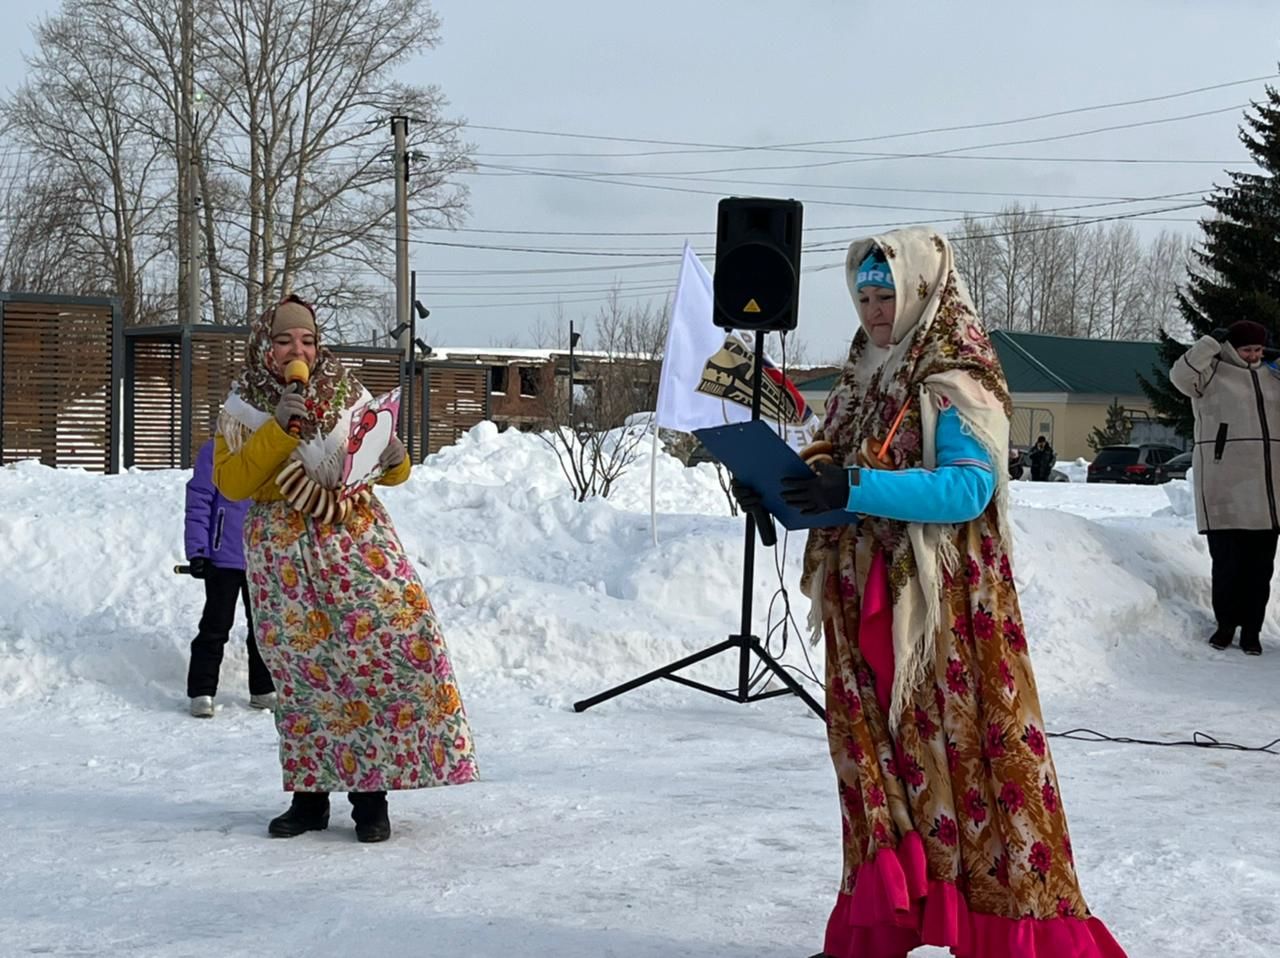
58, 378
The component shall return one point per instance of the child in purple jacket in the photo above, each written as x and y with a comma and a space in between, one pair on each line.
215, 553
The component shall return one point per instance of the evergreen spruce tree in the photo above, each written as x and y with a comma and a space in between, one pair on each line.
1117, 430
1236, 269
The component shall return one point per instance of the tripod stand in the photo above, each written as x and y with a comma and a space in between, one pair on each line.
744, 641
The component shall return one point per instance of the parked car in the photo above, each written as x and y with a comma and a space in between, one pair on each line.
1175, 468
1131, 464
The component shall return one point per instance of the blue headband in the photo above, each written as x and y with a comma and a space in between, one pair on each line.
874, 271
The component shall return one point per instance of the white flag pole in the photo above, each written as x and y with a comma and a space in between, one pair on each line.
653, 482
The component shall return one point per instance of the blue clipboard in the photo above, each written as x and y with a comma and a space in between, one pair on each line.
758, 457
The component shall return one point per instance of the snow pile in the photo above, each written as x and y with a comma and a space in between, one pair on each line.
537, 589
1182, 497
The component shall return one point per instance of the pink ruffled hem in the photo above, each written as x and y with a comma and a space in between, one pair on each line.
895, 907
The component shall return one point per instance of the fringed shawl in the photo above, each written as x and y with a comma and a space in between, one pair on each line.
940, 356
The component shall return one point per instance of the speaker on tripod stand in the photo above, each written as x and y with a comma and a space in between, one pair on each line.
756, 287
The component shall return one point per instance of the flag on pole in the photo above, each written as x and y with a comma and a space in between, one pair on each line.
707, 371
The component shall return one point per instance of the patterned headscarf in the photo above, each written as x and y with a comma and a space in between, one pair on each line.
939, 357
938, 344
329, 392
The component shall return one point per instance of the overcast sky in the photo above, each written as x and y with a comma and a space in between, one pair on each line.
750, 73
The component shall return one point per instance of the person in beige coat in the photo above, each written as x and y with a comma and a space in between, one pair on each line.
1236, 472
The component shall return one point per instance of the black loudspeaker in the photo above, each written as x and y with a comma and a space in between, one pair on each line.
757, 279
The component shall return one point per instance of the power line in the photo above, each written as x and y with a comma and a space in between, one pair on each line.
801, 146
547, 302
662, 260
524, 290
965, 211
1063, 211
813, 269
811, 228
957, 152
616, 253
596, 178
1022, 231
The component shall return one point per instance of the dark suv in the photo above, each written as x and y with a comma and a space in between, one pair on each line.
1135, 464
1176, 468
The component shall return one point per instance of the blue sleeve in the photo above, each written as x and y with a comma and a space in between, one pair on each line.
199, 511
957, 491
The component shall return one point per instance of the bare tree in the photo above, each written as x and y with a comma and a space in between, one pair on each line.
1074, 275
43, 224
144, 39
1052, 259
1012, 227
1163, 269
548, 334
1092, 305
80, 112
597, 421
1122, 255
1040, 274
299, 83
291, 145
793, 350
976, 252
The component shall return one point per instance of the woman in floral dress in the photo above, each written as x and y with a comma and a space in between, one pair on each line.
954, 831
367, 698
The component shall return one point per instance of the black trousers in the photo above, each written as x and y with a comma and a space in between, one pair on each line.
221, 586
1243, 560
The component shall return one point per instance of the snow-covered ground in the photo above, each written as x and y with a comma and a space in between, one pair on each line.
663, 823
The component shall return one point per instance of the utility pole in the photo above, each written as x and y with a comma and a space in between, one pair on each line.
573, 341
404, 295
186, 153
413, 362
193, 214
188, 227
400, 132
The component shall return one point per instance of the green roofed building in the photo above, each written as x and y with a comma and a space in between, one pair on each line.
1062, 386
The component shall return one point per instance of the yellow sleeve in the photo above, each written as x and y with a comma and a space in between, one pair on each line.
239, 475
397, 474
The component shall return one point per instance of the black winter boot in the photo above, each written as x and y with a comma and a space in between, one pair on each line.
1250, 643
369, 812
1221, 639
308, 812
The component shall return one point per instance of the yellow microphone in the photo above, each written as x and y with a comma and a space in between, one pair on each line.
296, 371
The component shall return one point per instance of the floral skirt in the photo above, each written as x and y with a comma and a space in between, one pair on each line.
367, 697
954, 830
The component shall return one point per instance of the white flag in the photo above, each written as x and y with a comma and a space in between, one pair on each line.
707, 371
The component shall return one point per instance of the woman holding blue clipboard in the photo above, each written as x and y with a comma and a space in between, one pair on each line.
954, 831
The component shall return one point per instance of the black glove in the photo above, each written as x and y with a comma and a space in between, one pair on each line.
748, 499
1220, 334
199, 567
827, 489
752, 503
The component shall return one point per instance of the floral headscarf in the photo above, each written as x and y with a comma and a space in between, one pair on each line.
939, 357
329, 392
